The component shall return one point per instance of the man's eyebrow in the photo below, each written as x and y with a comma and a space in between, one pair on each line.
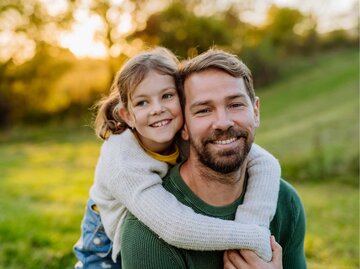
238, 95
200, 103
207, 102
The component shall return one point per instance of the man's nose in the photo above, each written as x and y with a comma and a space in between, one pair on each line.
222, 121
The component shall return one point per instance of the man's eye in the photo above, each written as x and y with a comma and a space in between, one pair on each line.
236, 105
203, 111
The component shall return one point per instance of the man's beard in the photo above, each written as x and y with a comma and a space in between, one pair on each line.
223, 161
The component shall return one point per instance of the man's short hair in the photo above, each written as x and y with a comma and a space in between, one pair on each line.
215, 59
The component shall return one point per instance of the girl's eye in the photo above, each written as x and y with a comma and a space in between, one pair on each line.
140, 103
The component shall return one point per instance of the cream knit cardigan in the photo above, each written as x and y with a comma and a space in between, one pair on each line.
126, 178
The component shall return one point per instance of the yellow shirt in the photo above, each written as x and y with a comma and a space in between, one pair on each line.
170, 159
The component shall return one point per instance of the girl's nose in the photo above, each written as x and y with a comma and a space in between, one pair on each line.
157, 109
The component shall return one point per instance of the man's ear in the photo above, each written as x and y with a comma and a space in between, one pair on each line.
257, 112
185, 133
126, 116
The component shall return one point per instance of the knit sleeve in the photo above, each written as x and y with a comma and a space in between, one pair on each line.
262, 191
134, 179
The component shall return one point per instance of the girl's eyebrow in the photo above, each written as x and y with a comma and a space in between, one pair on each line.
161, 91
138, 97
169, 88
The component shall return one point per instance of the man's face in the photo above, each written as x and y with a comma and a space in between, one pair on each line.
220, 119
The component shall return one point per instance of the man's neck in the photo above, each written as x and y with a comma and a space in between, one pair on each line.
214, 188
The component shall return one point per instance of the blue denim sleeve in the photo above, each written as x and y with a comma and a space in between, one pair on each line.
93, 249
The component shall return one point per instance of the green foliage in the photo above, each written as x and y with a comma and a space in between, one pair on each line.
337, 38
280, 28
287, 33
260, 59
183, 32
51, 84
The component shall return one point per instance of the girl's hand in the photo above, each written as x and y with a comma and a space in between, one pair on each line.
247, 259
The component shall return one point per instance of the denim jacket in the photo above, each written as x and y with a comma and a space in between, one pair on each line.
93, 249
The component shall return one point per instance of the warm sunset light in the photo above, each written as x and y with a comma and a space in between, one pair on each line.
81, 39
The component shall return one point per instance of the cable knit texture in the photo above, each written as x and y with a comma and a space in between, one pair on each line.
263, 188
127, 178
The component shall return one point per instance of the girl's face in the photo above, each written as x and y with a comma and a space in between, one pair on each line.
154, 111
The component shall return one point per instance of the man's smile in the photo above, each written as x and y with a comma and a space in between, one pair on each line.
225, 142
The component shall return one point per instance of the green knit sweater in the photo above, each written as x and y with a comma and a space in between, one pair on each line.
143, 249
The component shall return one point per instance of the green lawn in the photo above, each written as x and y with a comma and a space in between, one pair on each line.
332, 237
309, 121
45, 176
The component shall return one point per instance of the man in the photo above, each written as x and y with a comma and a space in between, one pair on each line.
221, 114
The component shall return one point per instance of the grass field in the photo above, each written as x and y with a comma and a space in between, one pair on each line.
309, 121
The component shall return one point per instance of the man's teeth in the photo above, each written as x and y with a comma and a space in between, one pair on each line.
224, 142
160, 123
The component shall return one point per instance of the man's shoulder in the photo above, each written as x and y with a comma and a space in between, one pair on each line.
288, 226
290, 215
286, 188
288, 193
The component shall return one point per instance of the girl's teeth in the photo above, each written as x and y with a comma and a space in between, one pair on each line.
161, 123
224, 142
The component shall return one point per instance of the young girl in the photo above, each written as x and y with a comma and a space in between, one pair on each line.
139, 121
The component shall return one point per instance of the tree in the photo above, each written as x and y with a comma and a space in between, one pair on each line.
280, 28
183, 32
28, 25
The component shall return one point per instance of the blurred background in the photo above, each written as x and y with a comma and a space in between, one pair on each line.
57, 57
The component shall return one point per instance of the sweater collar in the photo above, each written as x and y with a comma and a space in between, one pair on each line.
217, 211
170, 159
